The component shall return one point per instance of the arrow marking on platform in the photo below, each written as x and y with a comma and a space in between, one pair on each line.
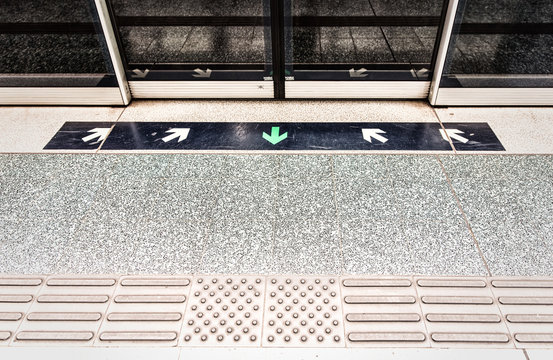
454, 135
202, 73
139, 73
357, 73
369, 134
275, 138
181, 133
99, 133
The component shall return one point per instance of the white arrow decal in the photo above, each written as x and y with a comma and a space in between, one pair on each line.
368, 134
139, 73
201, 73
419, 73
454, 135
357, 73
181, 133
99, 133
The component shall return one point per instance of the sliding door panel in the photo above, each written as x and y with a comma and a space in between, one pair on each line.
361, 41
498, 47
185, 43
54, 44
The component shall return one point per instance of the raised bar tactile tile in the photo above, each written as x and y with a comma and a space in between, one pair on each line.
15, 298
151, 306
386, 337
150, 299
60, 316
224, 311
529, 318
54, 336
522, 284
451, 283
10, 316
514, 300
91, 299
528, 307
20, 282
160, 316
377, 317
462, 312
303, 311
380, 299
5, 335
138, 336
156, 282
376, 283
382, 312
464, 318
71, 312
534, 338
457, 300
470, 337
80, 282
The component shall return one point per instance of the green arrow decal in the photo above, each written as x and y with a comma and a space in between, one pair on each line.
275, 138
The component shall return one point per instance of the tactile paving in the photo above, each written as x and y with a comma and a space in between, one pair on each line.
276, 311
67, 310
16, 297
224, 311
303, 311
527, 305
146, 310
382, 312
461, 312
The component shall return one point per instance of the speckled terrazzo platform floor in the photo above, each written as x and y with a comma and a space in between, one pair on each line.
306, 214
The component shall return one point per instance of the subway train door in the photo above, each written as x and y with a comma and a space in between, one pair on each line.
361, 49
278, 48
195, 49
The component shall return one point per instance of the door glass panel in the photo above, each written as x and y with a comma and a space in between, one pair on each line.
507, 43
361, 40
195, 40
53, 43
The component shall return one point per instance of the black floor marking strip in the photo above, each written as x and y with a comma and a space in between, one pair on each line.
79, 136
276, 136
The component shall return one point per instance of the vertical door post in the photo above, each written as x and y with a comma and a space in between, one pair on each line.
277, 40
442, 50
115, 55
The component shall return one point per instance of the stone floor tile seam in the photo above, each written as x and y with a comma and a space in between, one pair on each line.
117, 285
465, 217
419, 303
185, 311
526, 354
402, 220
210, 222
443, 130
266, 280
275, 211
340, 235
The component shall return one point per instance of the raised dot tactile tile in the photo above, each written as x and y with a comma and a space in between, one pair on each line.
303, 311
224, 311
